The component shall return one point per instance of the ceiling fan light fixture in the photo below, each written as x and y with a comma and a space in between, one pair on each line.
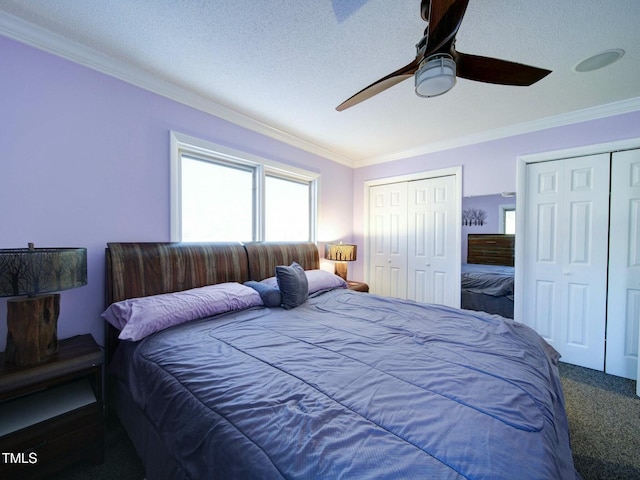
435, 76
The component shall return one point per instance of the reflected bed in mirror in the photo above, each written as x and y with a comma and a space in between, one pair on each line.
487, 277
488, 244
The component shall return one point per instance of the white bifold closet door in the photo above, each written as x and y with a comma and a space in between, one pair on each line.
432, 241
624, 266
565, 256
412, 235
388, 240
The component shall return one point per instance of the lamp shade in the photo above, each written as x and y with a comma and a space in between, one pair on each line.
340, 252
33, 271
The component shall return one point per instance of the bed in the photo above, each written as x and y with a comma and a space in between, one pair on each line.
343, 385
487, 279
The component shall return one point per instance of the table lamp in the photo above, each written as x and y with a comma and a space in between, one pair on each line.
32, 321
341, 253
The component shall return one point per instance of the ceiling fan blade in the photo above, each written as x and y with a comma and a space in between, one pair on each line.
493, 70
446, 17
380, 85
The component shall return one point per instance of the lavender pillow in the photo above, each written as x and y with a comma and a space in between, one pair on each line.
318, 280
322, 280
138, 317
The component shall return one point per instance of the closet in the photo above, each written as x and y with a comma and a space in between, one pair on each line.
578, 257
413, 239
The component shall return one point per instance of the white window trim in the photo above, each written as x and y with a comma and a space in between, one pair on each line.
184, 144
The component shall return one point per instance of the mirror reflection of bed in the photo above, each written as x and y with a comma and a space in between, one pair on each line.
487, 277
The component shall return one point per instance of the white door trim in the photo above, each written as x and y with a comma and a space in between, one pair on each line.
455, 171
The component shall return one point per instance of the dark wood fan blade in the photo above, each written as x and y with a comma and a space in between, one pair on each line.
446, 17
379, 86
493, 70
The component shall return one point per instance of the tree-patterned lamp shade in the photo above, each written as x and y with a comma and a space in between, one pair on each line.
341, 253
32, 321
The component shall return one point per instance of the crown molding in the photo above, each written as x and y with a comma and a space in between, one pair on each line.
578, 116
45, 40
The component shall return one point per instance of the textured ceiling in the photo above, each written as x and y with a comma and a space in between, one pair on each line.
282, 66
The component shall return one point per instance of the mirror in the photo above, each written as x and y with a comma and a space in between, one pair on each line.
495, 213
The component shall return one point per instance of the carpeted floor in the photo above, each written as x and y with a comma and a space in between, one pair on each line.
604, 420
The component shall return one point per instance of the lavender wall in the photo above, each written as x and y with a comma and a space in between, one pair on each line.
490, 167
85, 161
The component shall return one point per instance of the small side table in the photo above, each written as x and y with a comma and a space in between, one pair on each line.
52, 413
358, 286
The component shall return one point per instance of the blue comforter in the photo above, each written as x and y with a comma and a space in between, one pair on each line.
354, 386
494, 280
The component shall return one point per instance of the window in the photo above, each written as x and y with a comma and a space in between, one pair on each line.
219, 194
291, 196
507, 219
510, 221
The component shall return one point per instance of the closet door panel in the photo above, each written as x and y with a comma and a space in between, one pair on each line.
431, 255
624, 266
585, 259
388, 239
566, 258
542, 284
542, 315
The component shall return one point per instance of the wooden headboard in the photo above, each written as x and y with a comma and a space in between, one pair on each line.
264, 256
142, 269
491, 249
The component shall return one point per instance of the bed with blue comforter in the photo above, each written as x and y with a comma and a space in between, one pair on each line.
345, 385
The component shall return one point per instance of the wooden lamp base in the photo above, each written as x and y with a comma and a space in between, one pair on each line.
341, 270
32, 329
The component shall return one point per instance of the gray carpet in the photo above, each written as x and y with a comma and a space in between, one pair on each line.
604, 420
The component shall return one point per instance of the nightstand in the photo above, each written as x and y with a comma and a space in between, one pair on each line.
358, 286
52, 413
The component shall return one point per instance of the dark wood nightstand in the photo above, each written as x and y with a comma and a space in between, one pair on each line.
358, 286
52, 414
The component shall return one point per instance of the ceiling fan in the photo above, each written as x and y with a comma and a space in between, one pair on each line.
437, 62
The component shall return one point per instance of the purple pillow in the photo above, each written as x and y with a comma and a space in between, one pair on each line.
322, 280
138, 317
318, 280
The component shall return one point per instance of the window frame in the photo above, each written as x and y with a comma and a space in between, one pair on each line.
501, 218
182, 144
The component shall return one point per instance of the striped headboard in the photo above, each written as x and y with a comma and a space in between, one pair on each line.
144, 269
264, 256
491, 249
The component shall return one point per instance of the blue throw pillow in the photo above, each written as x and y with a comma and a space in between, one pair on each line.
270, 296
293, 283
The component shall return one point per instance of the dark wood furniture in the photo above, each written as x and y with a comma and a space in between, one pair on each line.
358, 286
491, 249
52, 413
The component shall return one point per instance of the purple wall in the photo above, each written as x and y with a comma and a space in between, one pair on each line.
85, 161
490, 167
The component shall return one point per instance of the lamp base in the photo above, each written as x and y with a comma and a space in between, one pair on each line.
32, 329
341, 270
